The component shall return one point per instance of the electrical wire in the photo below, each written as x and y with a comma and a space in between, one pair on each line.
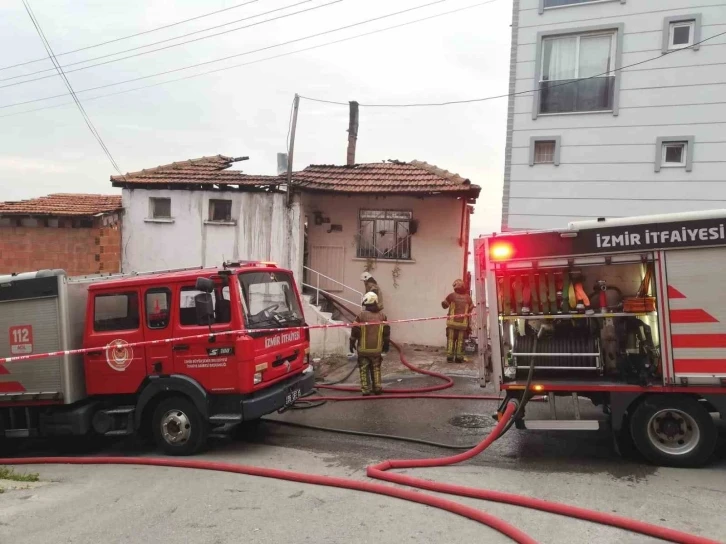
132, 35
486, 98
279, 17
258, 51
86, 118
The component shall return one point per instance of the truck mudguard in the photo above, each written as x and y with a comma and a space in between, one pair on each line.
154, 385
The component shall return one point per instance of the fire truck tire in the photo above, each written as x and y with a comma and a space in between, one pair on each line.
674, 430
178, 427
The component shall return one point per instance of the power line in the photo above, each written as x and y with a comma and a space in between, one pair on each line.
54, 60
167, 46
254, 51
325, 45
132, 35
531, 91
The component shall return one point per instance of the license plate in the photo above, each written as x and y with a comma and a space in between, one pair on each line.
291, 397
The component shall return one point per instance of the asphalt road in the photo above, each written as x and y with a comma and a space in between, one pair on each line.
145, 504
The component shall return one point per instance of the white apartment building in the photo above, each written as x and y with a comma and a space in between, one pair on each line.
629, 113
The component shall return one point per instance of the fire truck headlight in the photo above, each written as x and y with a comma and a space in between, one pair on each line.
258, 378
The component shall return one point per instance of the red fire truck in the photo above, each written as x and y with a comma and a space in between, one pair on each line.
629, 313
178, 391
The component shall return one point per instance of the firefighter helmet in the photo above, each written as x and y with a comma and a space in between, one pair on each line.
366, 276
458, 284
370, 299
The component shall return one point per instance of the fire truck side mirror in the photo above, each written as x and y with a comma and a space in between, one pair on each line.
205, 308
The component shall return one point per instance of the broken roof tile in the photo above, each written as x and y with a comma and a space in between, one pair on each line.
211, 170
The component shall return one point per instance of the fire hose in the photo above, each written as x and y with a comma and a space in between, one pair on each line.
381, 471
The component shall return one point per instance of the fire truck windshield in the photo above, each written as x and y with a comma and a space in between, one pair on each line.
270, 300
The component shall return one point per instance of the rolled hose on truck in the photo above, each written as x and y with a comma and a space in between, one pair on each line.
381, 472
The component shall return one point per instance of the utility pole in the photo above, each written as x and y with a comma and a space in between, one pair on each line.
291, 148
352, 132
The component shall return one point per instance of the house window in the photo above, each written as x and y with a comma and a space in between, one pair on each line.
577, 73
681, 31
544, 150
160, 208
220, 211
674, 152
385, 234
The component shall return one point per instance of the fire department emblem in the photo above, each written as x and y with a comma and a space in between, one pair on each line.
119, 355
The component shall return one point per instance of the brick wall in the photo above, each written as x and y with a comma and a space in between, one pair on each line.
76, 249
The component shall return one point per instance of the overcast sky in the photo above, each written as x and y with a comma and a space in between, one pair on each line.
245, 110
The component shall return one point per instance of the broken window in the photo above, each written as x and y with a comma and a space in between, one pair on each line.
220, 210
385, 234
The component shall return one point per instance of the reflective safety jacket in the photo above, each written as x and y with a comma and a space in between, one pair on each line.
371, 338
458, 305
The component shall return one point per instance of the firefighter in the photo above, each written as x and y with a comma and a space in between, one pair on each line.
460, 305
371, 342
371, 286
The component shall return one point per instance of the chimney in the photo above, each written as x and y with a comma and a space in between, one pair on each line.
352, 133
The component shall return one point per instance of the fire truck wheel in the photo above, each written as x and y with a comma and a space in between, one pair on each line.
178, 427
675, 431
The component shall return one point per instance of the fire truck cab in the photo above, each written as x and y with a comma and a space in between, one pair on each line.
174, 355
629, 313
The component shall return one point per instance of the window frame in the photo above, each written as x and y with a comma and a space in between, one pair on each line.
219, 289
157, 291
532, 143
543, 8
668, 22
152, 208
616, 29
361, 219
124, 293
212, 202
660, 155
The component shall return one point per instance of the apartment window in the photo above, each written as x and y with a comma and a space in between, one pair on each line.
544, 150
577, 73
385, 234
546, 4
220, 211
160, 208
674, 152
681, 31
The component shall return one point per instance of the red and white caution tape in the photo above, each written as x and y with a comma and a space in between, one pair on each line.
239, 332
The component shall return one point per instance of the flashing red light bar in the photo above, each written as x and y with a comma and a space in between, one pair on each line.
501, 251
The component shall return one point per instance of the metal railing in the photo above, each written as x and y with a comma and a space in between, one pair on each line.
318, 289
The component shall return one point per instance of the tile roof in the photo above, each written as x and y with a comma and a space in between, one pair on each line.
415, 177
63, 205
194, 172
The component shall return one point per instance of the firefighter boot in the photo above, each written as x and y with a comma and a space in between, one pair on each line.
364, 367
450, 345
459, 353
376, 374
